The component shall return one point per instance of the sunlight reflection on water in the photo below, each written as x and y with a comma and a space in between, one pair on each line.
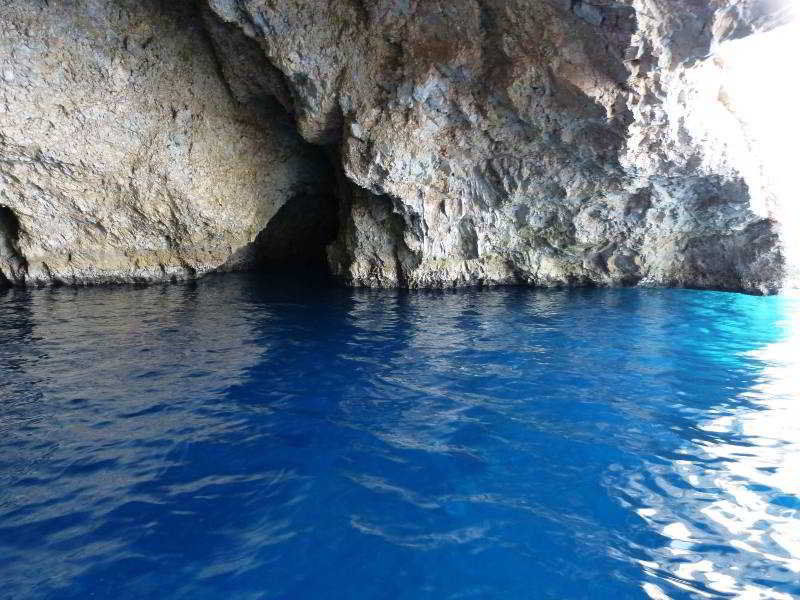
754, 493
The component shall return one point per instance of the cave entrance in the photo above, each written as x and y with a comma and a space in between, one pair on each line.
12, 264
295, 240
9, 229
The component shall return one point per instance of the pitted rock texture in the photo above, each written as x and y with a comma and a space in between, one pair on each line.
123, 154
547, 142
478, 142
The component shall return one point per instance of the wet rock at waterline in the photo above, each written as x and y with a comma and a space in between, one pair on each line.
547, 142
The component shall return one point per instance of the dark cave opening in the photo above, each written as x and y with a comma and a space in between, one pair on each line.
9, 227
296, 238
12, 264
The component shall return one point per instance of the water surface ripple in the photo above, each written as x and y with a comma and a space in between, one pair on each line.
241, 439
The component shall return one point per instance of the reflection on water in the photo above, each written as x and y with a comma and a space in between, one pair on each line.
95, 385
750, 500
242, 439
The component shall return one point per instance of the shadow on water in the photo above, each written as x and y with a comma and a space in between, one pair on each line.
256, 437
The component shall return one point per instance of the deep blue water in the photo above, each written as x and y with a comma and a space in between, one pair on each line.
239, 439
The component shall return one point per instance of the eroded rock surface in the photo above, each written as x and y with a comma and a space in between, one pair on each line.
124, 156
547, 142
540, 141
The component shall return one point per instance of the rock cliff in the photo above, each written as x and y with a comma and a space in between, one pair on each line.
123, 154
546, 142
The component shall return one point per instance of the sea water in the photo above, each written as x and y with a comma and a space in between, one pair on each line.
247, 438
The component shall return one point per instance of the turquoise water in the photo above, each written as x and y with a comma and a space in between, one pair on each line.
240, 439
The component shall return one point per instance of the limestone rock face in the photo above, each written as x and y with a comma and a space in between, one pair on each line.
478, 142
124, 155
547, 142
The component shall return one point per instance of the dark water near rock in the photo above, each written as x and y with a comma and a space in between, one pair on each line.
239, 440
